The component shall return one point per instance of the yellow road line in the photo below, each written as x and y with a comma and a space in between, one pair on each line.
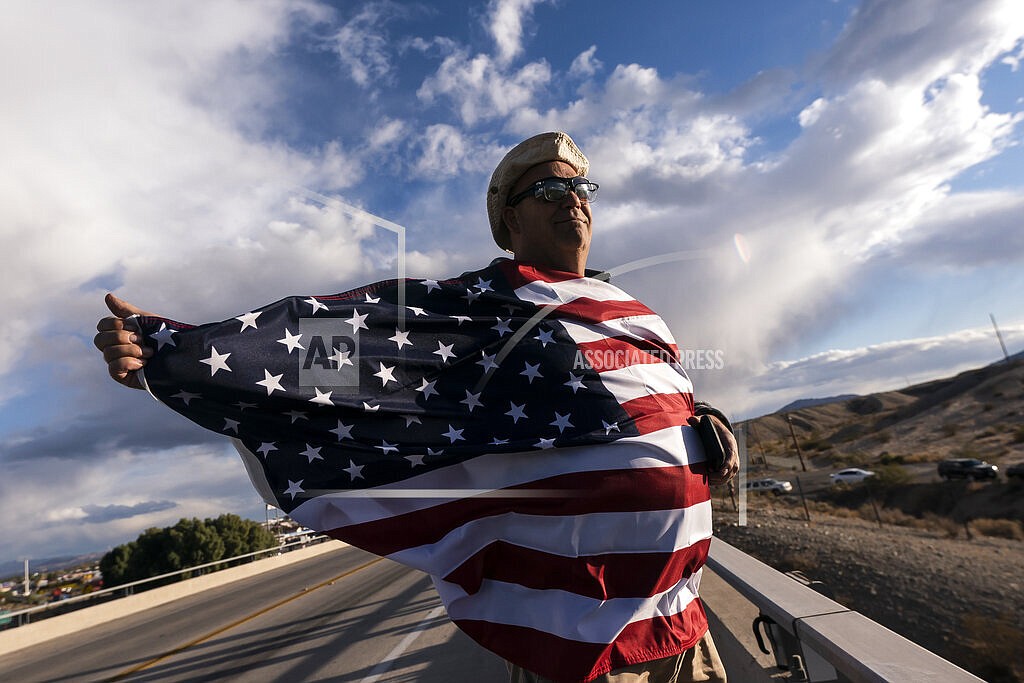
238, 622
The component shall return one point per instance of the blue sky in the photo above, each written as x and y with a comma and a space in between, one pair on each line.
867, 154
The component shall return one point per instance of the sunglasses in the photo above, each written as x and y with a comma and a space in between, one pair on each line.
555, 190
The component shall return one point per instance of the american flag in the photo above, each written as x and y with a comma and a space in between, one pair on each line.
519, 434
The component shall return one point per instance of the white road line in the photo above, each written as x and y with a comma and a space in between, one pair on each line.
388, 661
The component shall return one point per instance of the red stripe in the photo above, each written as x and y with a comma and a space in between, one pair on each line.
570, 661
615, 353
520, 275
630, 490
659, 411
602, 577
589, 310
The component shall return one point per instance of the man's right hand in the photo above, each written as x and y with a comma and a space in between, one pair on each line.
122, 348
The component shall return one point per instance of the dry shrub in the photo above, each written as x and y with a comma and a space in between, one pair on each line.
798, 561
1001, 528
943, 525
993, 647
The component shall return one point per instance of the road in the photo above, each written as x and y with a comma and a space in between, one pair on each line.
342, 616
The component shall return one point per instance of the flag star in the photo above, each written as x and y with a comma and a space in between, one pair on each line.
609, 426
266, 448
499, 442
454, 434
544, 337
216, 361
372, 300
291, 340
472, 400
511, 308
416, 310
462, 319
358, 321
341, 358
545, 443
488, 361
471, 296
562, 422
502, 327
315, 304
242, 405
431, 451
401, 338
186, 396
354, 471
312, 453
483, 285
415, 460
271, 382
386, 374
532, 372
343, 431
294, 488
410, 420
427, 388
575, 383
230, 425
445, 351
431, 285
321, 398
516, 412
385, 446
368, 407
248, 320
296, 415
163, 336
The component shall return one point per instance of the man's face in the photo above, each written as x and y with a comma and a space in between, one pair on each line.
553, 234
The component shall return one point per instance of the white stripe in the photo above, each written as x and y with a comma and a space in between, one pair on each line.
558, 293
647, 327
645, 379
668, 447
563, 614
598, 533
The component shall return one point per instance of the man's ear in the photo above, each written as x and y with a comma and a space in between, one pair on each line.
511, 218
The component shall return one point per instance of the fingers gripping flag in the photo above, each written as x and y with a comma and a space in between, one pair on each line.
519, 434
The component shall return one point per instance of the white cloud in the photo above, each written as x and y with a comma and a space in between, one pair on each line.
363, 47
585, 64
505, 24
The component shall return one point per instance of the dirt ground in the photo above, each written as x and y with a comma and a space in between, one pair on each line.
960, 598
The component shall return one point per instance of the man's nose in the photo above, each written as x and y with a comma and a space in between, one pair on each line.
571, 199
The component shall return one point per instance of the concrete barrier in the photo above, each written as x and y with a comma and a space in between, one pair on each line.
87, 617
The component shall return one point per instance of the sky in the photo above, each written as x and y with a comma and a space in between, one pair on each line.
834, 189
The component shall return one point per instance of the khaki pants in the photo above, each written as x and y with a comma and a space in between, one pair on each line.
700, 663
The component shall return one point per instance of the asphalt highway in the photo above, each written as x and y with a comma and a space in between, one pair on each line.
342, 616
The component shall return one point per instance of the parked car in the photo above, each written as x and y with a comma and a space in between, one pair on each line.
774, 485
851, 475
967, 468
1015, 471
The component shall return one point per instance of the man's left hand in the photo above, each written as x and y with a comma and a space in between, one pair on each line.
731, 462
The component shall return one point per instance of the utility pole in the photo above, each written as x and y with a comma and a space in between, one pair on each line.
800, 455
26, 578
999, 335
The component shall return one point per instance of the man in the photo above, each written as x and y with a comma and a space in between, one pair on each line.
586, 566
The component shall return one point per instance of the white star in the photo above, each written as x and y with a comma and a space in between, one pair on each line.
562, 422
343, 431
368, 407
445, 351
511, 308
372, 300
416, 310
410, 420
483, 285
401, 338
186, 396
266, 448
163, 336
545, 443
488, 361
271, 382
296, 415
427, 388
462, 319
471, 296
312, 453
574, 382
454, 434
385, 446
502, 327
291, 341
341, 358
216, 361
517, 412
230, 425
248, 320
609, 426
315, 304
431, 285
544, 337
321, 398
415, 460
294, 488
358, 321
386, 375
532, 372
431, 451
499, 442
242, 405
355, 471
472, 400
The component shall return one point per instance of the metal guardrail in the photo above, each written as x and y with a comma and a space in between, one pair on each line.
22, 617
832, 643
